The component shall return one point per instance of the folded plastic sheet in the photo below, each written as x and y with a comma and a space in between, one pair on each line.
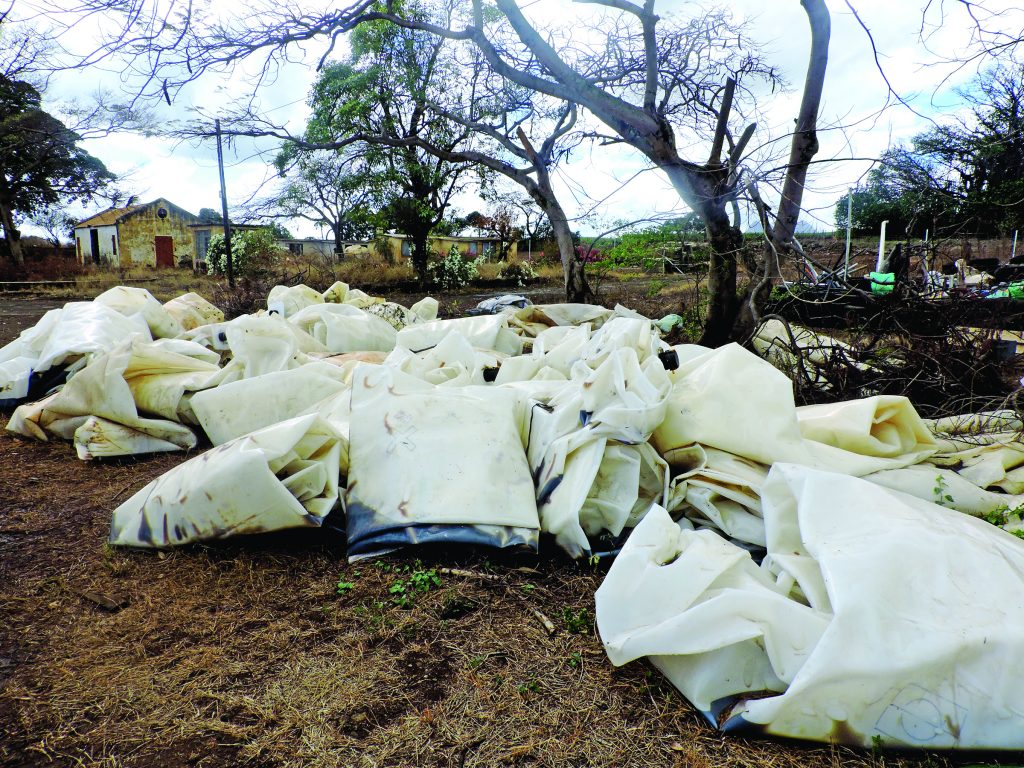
719, 490
731, 399
138, 301
533, 320
557, 349
191, 310
886, 426
126, 401
485, 332
281, 477
240, 407
343, 328
257, 344
984, 448
595, 473
63, 336
948, 489
287, 300
452, 363
435, 464
874, 617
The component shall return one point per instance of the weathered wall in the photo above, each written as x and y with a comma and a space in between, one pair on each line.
138, 232
109, 246
468, 247
321, 248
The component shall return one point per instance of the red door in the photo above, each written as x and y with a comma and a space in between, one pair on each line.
164, 251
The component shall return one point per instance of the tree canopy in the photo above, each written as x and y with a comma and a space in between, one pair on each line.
41, 163
960, 178
378, 99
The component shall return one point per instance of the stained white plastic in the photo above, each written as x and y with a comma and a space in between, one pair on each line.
284, 476
875, 616
128, 401
430, 455
244, 406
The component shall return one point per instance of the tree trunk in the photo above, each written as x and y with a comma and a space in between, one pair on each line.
420, 254
803, 147
11, 235
339, 243
723, 303
577, 290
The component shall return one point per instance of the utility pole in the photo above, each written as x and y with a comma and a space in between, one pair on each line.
224, 209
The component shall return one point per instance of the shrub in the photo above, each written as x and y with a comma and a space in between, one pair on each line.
519, 271
453, 271
253, 253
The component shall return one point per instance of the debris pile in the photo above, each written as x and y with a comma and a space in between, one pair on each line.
841, 572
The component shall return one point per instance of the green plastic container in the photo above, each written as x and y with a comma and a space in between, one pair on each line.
882, 282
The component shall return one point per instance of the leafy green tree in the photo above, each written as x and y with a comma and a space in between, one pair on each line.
328, 188
379, 96
41, 163
253, 253
963, 177
210, 216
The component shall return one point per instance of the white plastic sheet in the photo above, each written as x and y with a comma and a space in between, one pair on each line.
63, 336
875, 616
237, 408
343, 328
588, 450
191, 310
487, 332
281, 477
126, 401
138, 301
430, 463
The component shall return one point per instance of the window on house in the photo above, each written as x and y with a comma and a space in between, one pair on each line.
406, 248
473, 248
113, 244
295, 248
202, 244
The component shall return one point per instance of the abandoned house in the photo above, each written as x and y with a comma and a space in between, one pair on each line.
155, 234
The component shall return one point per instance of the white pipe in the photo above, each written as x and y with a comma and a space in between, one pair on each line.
849, 224
1013, 253
881, 247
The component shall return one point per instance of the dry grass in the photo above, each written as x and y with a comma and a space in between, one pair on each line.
245, 655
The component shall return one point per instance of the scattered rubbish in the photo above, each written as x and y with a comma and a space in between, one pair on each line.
840, 572
500, 303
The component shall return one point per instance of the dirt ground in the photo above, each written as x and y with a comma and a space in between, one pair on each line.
251, 654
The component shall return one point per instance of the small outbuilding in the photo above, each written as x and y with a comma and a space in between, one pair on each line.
155, 234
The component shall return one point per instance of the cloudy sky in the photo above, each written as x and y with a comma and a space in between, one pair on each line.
594, 185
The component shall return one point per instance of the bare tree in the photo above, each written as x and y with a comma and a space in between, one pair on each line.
326, 188
644, 83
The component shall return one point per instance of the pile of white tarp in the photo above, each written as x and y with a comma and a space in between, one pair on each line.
283, 476
873, 616
71, 336
816, 572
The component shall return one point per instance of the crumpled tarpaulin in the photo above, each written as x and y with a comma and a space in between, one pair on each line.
874, 616
127, 401
284, 476
799, 571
